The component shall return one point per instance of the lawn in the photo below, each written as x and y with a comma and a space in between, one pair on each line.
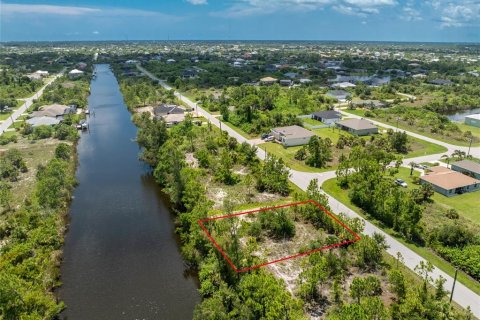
312, 122
288, 155
422, 148
401, 125
464, 127
331, 187
467, 204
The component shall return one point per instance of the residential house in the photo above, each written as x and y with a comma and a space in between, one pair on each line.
75, 73
292, 135
54, 111
268, 81
166, 109
170, 61
468, 167
473, 120
449, 182
358, 127
305, 81
286, 83
369, 103
340, 95
343, 85
328, 117
441, 82
292, 75
43, 121
189, 74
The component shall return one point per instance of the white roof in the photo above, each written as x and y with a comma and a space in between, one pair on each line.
474, 116
344, 85
40, 121
75, 71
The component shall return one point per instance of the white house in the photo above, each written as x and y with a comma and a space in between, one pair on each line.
75, 73
292, 135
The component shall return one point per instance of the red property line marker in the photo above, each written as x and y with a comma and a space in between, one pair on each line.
202, 222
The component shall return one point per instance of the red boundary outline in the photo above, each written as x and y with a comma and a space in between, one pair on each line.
202, 225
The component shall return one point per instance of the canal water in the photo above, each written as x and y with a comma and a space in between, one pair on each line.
121, 255
460, 115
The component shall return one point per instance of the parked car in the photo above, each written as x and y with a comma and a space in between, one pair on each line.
265, 136
401, 183
421, 166
269, 138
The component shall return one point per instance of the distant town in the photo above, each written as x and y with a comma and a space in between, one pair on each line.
113, 152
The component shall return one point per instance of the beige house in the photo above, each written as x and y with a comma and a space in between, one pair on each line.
292, 135
449, 182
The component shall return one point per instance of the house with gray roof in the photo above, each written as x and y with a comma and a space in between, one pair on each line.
43, 121
358, 127
468, 167
328, 116
292, 135
340, 95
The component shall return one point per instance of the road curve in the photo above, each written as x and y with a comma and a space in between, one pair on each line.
463, 295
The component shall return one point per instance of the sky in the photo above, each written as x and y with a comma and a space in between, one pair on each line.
353, 20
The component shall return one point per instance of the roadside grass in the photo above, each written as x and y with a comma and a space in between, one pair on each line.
331, 187
239, 131
422, 148
361, 112
467, 204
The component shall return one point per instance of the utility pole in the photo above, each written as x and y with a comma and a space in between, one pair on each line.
453, 287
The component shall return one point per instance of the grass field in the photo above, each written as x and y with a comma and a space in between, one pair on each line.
467, 204
288, 155
312, 122
331, 187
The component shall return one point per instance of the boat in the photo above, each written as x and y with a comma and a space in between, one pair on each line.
82, 125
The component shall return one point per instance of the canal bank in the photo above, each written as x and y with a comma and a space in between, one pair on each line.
121, 255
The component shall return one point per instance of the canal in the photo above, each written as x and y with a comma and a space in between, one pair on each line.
121, 255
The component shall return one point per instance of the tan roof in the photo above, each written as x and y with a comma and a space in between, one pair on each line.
174, 117
294, 132
52, 110
268, 79
468, 165
357, 124
448, 179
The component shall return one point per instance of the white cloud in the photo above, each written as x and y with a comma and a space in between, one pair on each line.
96, 32
457, 13
411, 14
241, 8
197, 2
10, 8
42, 9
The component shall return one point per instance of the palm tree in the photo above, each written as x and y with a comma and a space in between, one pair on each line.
458, 154
412, 165
447, 158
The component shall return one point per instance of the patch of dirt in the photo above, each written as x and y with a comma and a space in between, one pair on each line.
191, 160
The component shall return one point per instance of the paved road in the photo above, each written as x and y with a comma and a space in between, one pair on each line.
28, 102
463, 296
474, 151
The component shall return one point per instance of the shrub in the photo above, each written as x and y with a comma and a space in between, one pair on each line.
62, 151
42, 132
66, 132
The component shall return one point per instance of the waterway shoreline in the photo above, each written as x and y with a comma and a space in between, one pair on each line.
121, 253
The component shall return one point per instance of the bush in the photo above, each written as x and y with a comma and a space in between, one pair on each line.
63, 151
7, 139
42, 132
66, 132
278, 223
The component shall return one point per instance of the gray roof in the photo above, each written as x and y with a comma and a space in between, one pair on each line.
328, 114
468, 165
53, 110
40, 121
165, 109
294, 132
357, 124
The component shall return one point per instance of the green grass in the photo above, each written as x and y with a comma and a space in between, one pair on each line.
467, 204
464, 127
360, 112
288, 155
240, 131
312, 122
332, 133
423, 148
331, 187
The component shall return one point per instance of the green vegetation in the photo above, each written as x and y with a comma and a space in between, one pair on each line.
31, 234
424, 122
466, 204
